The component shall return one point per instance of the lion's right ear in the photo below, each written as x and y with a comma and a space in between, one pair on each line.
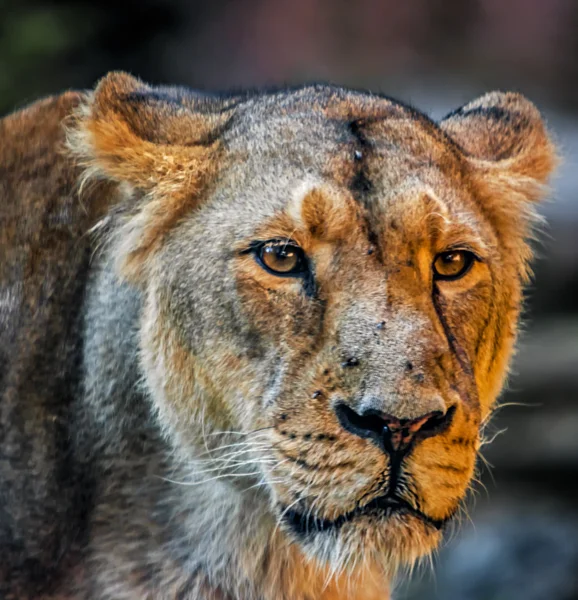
149, 138
161, 144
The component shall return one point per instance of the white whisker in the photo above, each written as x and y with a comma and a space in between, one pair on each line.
224, 475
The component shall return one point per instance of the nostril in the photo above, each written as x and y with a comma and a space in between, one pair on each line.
369, 424
437, 423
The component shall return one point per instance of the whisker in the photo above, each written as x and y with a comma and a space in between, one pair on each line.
241, 432
233, 451
231, 466
239, 452
487, 441
264, 483
224, 475
235, 445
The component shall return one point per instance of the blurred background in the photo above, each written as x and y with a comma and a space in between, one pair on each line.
520, 541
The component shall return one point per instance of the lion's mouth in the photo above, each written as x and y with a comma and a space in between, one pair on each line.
303, 524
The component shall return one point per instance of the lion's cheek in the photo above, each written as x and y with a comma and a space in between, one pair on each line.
214, 388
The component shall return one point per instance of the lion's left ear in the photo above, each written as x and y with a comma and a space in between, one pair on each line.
505, 138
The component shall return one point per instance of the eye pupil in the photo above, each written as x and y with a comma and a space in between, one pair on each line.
452, 265
282, 258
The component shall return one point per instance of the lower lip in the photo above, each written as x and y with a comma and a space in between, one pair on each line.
303, 525
388, 504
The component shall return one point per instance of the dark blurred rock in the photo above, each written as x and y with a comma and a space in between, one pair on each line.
515, 554
539, 420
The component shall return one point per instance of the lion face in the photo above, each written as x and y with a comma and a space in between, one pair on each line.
335, 281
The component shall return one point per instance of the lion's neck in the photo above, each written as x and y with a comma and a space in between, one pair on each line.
302, 579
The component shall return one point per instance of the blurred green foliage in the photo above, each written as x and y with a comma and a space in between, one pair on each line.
47, 47
34, 40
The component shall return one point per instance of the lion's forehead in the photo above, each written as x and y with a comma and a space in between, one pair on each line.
388, 165
399, 195
324, 119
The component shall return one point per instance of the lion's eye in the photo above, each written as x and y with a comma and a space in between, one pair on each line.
282, 258
452, 265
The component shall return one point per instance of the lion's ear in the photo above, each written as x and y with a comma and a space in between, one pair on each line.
162, 145
510, 157
504, 135
147, 137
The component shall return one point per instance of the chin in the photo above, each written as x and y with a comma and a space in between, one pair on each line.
386, 535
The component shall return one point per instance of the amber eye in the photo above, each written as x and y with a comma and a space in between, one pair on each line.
452, 265
282, 258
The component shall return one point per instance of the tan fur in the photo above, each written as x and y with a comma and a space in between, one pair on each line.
240, 372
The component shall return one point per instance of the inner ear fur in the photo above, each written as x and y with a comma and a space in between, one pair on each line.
159, 144
504, 136
132, 133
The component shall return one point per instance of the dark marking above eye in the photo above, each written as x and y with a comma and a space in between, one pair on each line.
408, 366
355, 128
361, 183
372, 237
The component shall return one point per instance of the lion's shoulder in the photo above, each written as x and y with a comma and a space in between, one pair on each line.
43, 222
35, 127
44, 258
33, 167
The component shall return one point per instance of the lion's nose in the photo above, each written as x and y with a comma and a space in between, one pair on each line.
392, 433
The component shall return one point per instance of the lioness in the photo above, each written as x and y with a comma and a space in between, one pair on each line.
247, 343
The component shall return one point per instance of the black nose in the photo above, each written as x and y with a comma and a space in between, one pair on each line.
391, 433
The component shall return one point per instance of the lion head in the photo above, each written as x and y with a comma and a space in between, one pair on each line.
331, 284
